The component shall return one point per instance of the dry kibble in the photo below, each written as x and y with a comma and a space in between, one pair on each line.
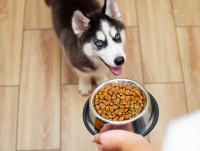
119, 114
107, 103
121, 118
125, 110
107, 108
123, 97
127, 116
103, 107
104, 111
119, 102
111, 103
103, 115
127, 92
111, 109
116, 107
99, 112
97, 107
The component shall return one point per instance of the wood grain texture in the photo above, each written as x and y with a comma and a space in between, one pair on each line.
75, 136
68, 76
39, 114
127, 11
160, 56
8, 118
38, 15
172, 104
42, 150
189, 41
11, 27
186, 12
132, 69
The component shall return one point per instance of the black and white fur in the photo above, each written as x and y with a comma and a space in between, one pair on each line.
81, 25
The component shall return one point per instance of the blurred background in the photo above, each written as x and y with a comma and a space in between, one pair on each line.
40, 106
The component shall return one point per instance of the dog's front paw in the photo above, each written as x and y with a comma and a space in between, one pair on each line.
84, 88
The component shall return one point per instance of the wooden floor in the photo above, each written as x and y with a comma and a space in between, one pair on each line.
40, 107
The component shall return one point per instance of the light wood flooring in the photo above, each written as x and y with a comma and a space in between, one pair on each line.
40, 107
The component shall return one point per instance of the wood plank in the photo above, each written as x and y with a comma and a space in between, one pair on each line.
186, 12
189, 41
38, 15
132, 69
11, 19
172, 104
160, 55
127, 10
39, 114
68, 76
75, 136
42, 150
8, 118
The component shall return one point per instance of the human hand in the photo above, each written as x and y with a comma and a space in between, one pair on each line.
120, 140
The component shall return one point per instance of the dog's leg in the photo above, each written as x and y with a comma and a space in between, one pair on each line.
100, 79
84, 85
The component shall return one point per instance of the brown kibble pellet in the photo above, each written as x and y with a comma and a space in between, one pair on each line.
103, 115
125, 110
116, 107
97, 107
107, 108
119, 102
107, 103
115, 119
103, 107
99, 111
127, 92
111, 109
126, 116
119, 114
121, 118
123, 97
121, 110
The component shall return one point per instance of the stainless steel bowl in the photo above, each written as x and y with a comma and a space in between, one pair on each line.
138, 124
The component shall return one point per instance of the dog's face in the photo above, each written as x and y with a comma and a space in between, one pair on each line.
102, 35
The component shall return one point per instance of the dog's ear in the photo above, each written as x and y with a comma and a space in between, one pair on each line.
80, 23
110, 9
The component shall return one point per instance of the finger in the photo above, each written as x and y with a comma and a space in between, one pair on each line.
99, 146
96, 139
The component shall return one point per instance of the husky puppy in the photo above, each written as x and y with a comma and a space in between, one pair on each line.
92, 38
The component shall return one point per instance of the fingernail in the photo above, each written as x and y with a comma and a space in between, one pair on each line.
93, 139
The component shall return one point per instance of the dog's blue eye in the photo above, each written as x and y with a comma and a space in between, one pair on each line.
117, 36
99, 43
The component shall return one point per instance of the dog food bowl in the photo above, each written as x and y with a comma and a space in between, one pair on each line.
141, 124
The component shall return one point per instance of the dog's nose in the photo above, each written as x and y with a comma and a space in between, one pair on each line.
119, 61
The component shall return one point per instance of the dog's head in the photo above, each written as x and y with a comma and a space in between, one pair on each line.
102, 35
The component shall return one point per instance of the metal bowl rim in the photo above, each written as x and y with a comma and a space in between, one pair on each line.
114, 81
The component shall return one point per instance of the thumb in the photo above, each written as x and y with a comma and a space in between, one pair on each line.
96, 139
110, 140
